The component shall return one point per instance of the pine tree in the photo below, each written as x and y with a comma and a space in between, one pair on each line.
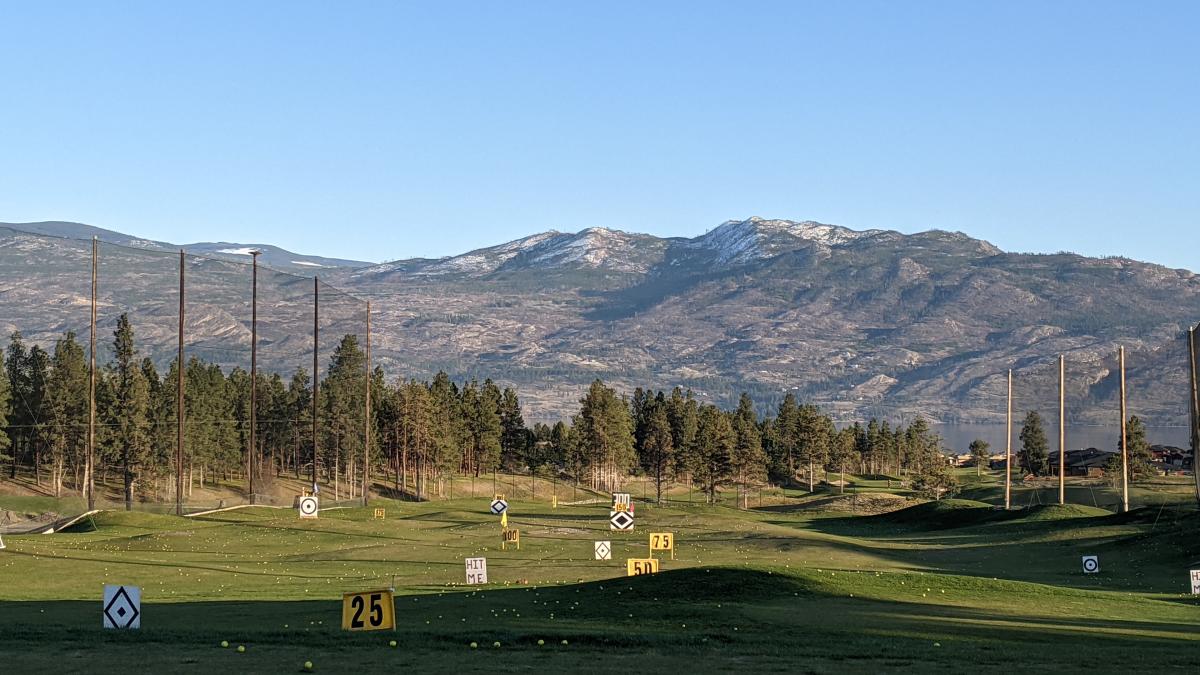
749, 460
605, 436
515, 441
130, 403
715, 442
683, 415
5, 400
787, 424
812, 431
1140, 457
657, 444
980, 454
67, 397
299, 415
1033, 455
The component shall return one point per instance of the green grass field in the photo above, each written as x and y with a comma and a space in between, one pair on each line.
948, 587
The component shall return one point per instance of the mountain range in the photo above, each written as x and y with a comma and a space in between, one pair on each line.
871, 322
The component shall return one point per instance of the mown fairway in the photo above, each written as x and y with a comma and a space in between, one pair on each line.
952, 587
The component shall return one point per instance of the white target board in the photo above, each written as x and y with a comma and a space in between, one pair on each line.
309, 507
1195, 582
621, 521
477, 570
122, 607
1091, 564
604, 550
498, 506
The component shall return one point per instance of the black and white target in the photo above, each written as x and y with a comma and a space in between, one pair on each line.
1091, 564
308, 507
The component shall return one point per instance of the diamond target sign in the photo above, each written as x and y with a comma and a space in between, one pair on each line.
122, 607
604, 550
620, 520
499, 506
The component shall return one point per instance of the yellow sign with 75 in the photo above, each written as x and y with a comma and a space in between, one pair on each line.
369, 610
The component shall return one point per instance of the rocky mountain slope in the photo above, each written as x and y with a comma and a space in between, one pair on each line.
863, 322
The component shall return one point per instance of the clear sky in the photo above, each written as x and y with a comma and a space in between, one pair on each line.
387, 130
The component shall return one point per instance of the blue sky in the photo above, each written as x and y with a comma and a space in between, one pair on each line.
388, 130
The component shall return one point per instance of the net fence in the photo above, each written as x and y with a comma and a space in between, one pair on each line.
237, 318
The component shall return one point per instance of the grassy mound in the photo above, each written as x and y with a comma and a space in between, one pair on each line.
1051, 512
941, 514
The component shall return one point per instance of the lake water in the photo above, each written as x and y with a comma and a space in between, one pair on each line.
958, 436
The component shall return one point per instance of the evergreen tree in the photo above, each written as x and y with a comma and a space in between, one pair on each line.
749, 460
980, 454
683, 416
657, 444
604, 436
842, 453
1140, 457
812, 431
787, 433
1033, 455
67, 397
515, 440
343, 395
715, 443
127, 416
5, 400
299, 416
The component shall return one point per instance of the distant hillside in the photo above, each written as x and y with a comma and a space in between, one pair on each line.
871, 322
272, 256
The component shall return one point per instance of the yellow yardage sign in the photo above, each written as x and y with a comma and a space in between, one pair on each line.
636, 566
369, 610
380, 514
663, 541
510, 537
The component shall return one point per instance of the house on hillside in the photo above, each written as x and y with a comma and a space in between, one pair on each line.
1087, 463
1170, 458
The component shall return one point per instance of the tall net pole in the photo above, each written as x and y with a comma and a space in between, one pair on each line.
1062, 430
1008, 447
315, 378
253, 372
1124, 435
366, 480
179, 398
1195, 408
90, 464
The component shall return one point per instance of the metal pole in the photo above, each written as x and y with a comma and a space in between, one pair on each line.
179, 412
1008, 448
1124, 437
366, 484
315, 384
90, 464
250, 451
1195, 408
1062, 430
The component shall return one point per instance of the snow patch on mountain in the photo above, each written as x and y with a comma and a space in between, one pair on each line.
245, 250
755, 238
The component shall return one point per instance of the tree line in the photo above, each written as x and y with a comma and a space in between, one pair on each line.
422, 432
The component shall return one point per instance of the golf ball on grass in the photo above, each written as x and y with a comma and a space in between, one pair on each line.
241, 649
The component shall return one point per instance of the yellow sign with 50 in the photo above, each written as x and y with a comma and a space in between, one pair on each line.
638, 566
